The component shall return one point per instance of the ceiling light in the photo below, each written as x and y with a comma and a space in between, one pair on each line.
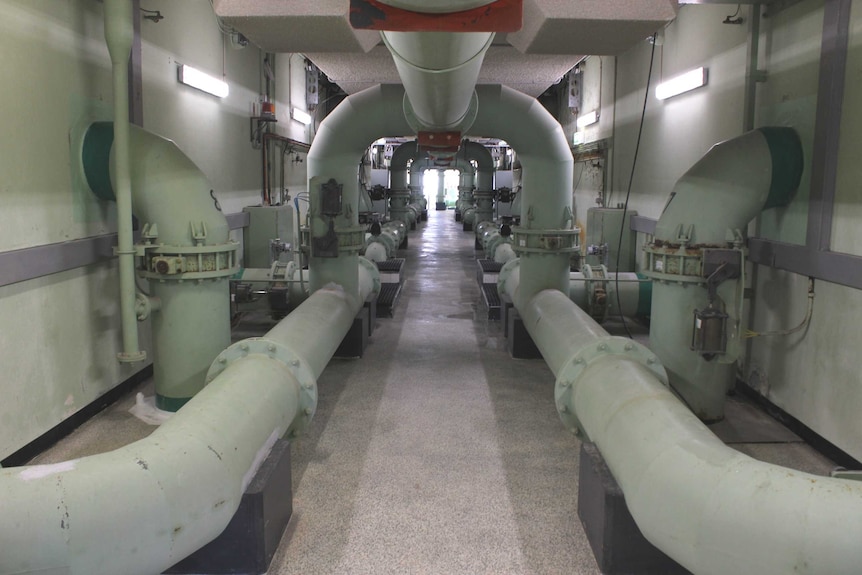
204, 82
587, 119
301, 116
682, 83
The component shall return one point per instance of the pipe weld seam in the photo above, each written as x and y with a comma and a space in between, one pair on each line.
578, 363
281, 353
479, 54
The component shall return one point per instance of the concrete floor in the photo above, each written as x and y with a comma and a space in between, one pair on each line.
436, 452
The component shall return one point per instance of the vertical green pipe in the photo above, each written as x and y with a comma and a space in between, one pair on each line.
119, 35
547, 181
340, 142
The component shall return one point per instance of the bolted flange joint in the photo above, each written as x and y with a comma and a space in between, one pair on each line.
569, 377
281, 353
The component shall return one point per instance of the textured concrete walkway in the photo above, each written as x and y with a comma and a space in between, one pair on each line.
436, 452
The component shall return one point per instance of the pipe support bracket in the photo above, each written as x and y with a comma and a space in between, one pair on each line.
283, 354
566, 385
546, 241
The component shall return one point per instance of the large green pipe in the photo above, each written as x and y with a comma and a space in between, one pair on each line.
119, 35
143, 507
385, 245
341, 140
173, 199
439, 71
635, 291
710, 207
546, 214
709, 507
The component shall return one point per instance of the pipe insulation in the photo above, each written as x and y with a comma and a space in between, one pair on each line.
709, 507
340, 142
119, 35
710, 208
189, 256
546, 236
439, 71
144, 507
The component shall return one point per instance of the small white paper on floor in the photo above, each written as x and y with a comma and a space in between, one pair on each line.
145, 409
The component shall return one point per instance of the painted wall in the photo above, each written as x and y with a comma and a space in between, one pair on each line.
815, 375
61, 333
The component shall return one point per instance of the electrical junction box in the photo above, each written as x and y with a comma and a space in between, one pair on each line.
267, 223
603, 235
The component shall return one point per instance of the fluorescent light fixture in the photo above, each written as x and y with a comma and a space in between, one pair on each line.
682, 83
204, 82
587, 119
577, 138
301, 117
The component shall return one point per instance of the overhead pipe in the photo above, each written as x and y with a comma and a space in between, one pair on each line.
546, 237
186, 254
119, 35
176, 490
709, 507
341, 140
439, 71
708, 211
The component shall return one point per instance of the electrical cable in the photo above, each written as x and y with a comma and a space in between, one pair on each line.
803, 325
629, 190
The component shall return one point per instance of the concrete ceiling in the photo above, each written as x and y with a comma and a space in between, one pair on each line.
555, 35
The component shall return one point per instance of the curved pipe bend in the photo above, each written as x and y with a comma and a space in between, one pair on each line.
709, 507
176, 490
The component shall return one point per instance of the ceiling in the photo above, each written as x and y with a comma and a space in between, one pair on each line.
555, 35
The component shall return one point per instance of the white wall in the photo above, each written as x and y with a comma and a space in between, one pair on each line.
61, 333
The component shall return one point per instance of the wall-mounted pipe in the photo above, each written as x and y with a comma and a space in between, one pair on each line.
340, 142
710, 208
186, 249
173, 492
546, 236
119, 35
709, 507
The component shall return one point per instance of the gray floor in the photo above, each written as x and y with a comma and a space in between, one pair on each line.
436, 452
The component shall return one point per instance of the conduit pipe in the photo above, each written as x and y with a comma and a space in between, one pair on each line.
439, 71
173, 492
186, 253
119, 35
710, 208
341, 141
710, 508
546, 237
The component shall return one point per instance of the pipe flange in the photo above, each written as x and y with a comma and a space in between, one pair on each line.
571, 372
283, 354
546, 241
